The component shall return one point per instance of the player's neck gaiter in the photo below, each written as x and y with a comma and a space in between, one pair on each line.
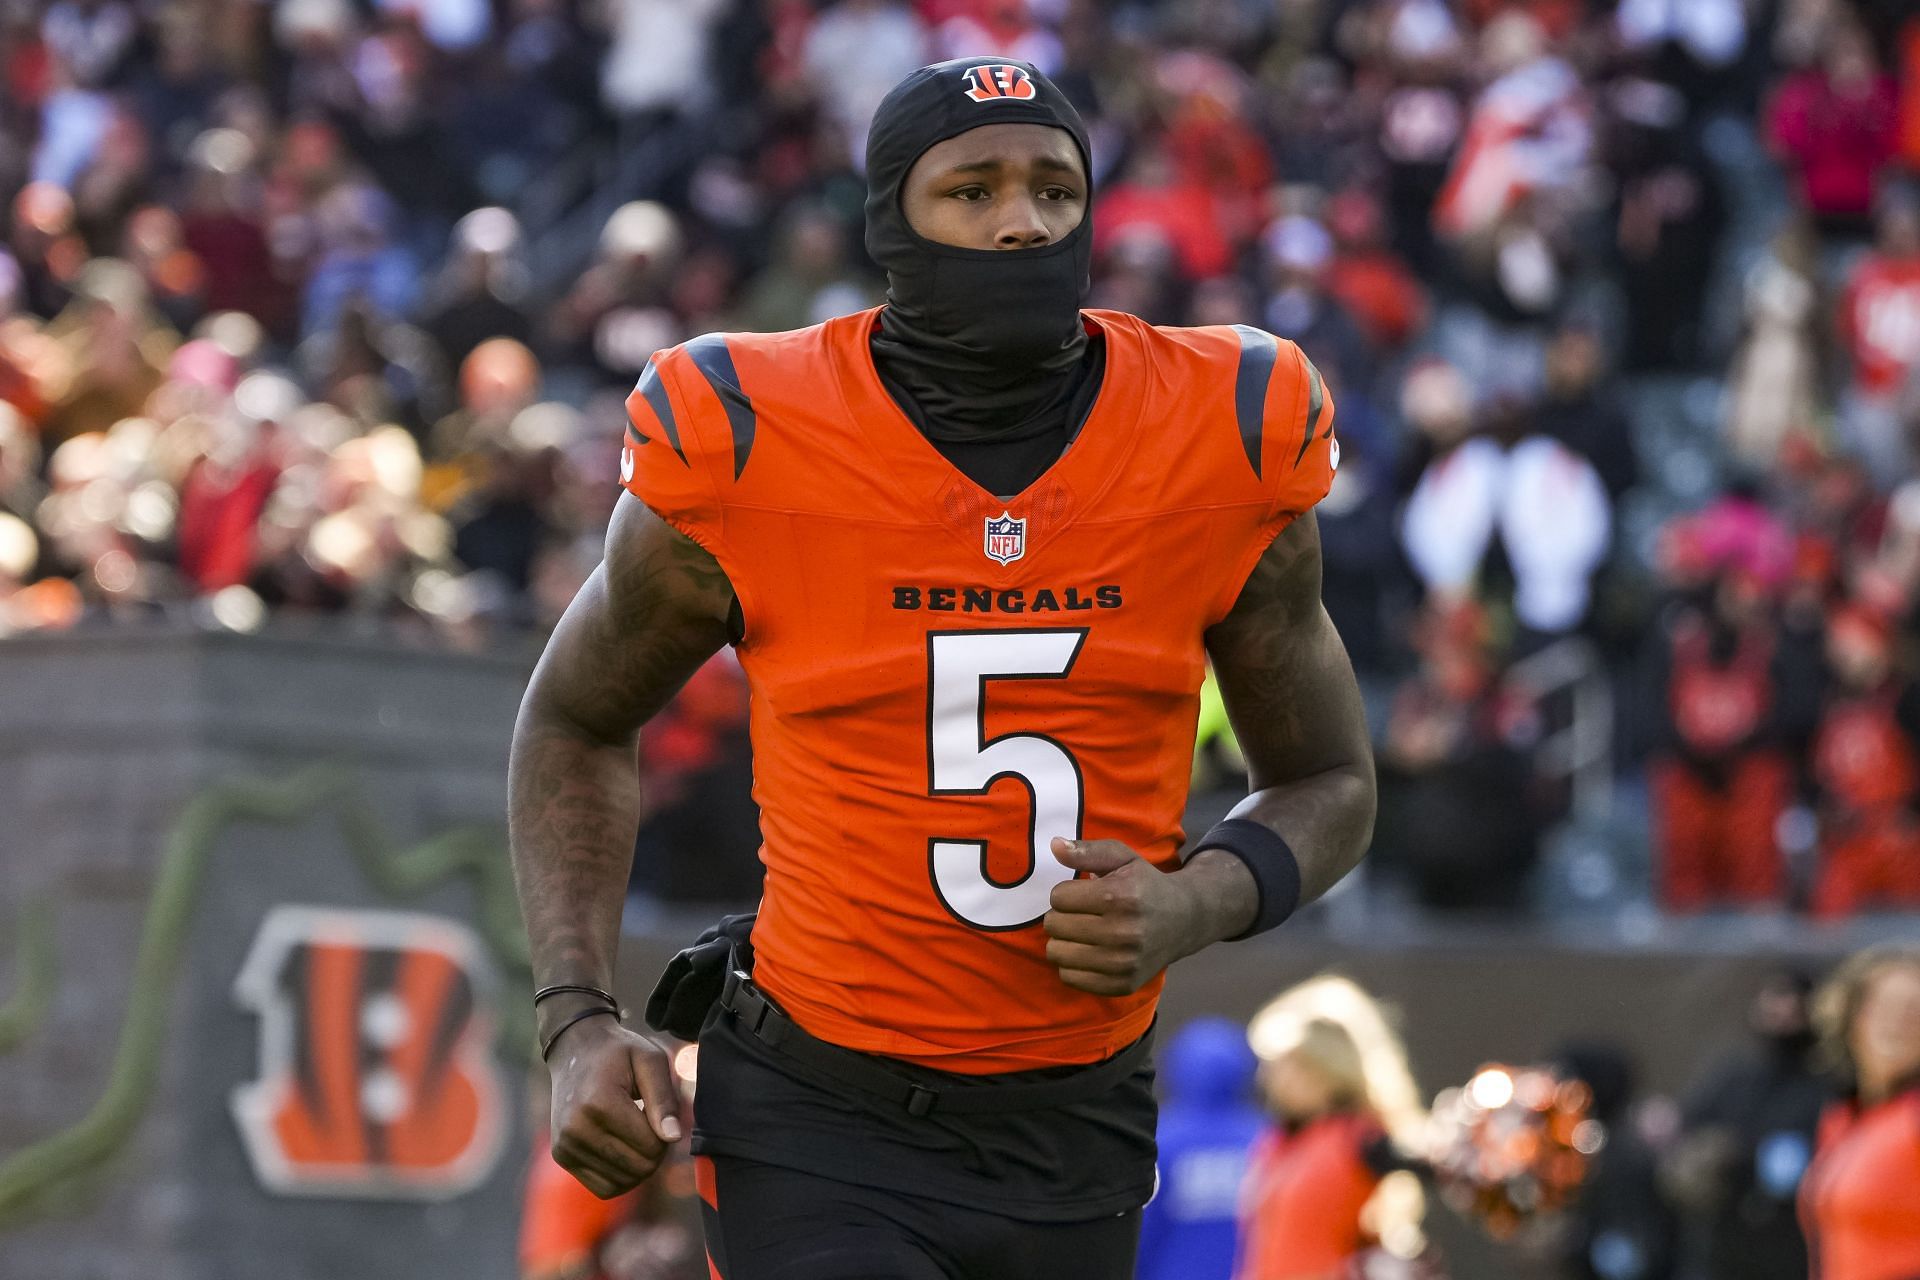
978, 344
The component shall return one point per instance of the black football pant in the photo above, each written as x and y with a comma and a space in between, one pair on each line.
768, 1223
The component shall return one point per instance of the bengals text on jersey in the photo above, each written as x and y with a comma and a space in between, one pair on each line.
942, 680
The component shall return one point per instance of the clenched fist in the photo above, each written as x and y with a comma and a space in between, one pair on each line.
616, 1108
1125, 920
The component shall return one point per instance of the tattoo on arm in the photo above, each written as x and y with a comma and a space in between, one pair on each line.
1295, 707
654, 611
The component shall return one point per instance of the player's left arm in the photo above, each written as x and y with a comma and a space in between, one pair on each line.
1296, 710
1295, 706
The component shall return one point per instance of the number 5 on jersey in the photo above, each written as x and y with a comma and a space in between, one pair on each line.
961, 761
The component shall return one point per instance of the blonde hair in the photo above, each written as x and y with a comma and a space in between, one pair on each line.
1326, 1046
1838, 1002
1387, 1089
1333, 1024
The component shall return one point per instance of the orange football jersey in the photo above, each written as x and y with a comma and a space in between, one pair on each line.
942, 680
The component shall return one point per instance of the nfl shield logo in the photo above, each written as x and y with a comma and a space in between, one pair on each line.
1006, 537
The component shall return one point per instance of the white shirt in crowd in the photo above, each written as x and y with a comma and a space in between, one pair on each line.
1548, 507
855, 53
658, 58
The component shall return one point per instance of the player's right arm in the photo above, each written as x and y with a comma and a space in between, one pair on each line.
655, 610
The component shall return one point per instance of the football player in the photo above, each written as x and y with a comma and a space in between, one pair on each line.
974, 549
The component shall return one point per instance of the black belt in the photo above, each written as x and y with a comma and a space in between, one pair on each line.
759, 1015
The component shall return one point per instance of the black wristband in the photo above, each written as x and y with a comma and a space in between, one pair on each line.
559, 987
581, 1016
1276, 872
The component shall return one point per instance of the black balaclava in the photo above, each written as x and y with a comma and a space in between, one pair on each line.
979, 344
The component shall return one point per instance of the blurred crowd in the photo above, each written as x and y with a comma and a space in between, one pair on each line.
323, 308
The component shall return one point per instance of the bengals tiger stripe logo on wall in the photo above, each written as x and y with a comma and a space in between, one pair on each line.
377, 1076
999, 80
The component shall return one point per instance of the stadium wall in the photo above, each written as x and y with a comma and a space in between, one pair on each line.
204, 832
327, 818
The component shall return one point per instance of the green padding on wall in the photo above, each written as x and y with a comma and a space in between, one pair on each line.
41, 1175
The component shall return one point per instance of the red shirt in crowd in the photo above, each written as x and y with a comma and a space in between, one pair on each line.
1860, 1201
1838, 141
241, 274
1861, 755
1908, 53
220, 509
1184, 216
1719, 707
1382, 295
1880, 322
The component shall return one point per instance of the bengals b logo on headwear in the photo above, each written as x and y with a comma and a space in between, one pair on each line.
377, 1077
999, 80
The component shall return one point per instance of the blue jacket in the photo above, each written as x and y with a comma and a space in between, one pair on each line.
1190, 1230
